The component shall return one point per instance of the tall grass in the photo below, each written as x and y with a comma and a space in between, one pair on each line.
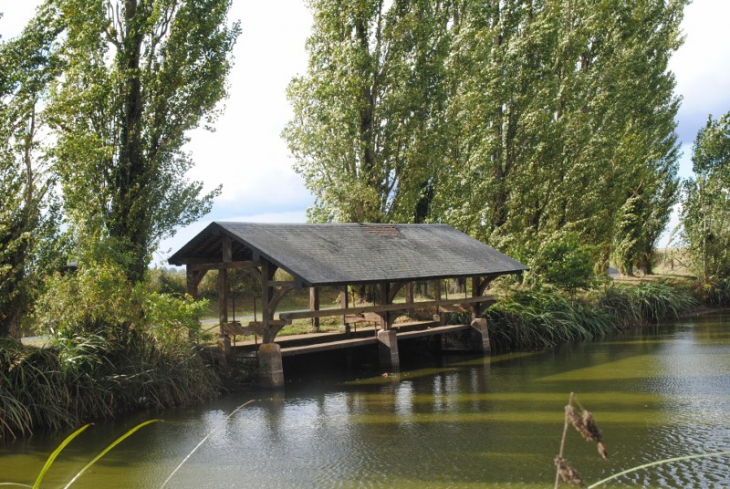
79, 378
542, 318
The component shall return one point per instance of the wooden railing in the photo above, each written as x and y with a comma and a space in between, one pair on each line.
290, 316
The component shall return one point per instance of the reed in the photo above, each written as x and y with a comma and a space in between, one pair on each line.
543, 317
84, 377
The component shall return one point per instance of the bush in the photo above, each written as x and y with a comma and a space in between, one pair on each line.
566, 263
648, 302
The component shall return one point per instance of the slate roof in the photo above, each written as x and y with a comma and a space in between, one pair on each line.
331, 254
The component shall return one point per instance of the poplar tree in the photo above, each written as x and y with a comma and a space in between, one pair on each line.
706, 202
138, 76
29, 216
542, 119
367, 130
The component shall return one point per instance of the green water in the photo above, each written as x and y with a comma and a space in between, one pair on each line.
458, 422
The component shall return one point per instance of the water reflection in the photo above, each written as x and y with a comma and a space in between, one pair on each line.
458, 423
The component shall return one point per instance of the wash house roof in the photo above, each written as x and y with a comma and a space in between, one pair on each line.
331, 254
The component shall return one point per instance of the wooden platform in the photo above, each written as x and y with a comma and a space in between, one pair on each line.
371, 340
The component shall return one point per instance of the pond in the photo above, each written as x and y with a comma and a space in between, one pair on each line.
453, 422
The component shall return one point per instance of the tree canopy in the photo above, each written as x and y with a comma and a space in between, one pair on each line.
138, 76
97, 100
517, 122
29, 209
706, 202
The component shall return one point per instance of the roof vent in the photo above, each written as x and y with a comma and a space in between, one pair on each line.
383, 231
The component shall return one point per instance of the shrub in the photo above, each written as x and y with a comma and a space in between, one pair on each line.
566, 263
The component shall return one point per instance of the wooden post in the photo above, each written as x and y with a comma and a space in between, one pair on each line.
409, 296
314, 305
344, 304
224, 342
265, 299
437, 298
476, 307
384, 300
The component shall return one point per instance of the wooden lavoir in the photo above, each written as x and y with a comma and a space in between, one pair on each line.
389, 256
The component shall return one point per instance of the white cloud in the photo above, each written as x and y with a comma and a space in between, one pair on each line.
702, 65
246, 153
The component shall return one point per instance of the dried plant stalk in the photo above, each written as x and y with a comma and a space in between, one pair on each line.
567, 472
594, 433
586, 426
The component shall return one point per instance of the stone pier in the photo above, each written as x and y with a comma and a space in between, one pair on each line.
388, 346
271, 370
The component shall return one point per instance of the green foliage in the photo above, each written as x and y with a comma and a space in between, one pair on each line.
706, 203
81, 377
29, 211
117, 346
566, 263
511, 121
167, 282
137, 77
174, 320
363, 134
542, 318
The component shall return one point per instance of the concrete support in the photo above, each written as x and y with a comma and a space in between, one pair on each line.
481, 335
271, 370
388, 347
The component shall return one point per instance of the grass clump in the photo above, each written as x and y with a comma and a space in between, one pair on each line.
542, 317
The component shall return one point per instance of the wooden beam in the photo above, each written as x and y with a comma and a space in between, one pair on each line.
223, 297
394, 289
266, 293
288, 316
384, 299
277, 283
279, 295
345, 303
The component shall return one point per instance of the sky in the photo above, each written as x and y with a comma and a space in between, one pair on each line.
247, 155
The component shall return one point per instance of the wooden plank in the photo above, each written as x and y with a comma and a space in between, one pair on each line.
235, 329
368, 317
432, 331
452, 309
332, 345
356, 342
487, 299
